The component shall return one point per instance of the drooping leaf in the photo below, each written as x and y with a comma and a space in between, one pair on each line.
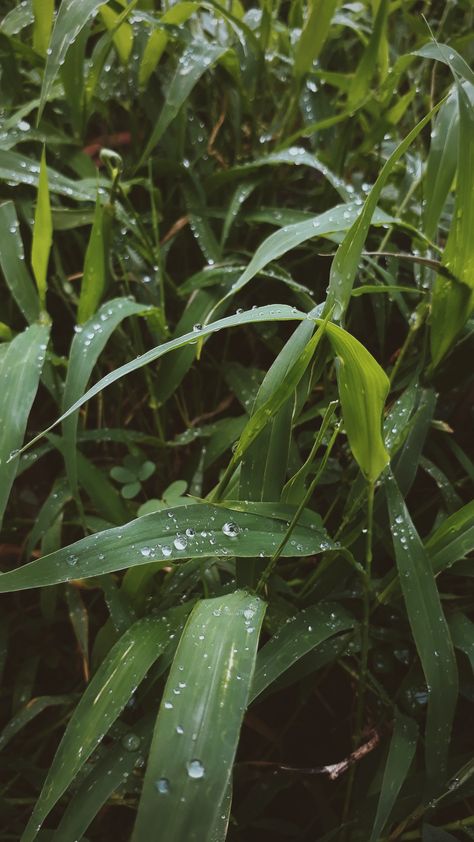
198, 726
12, 263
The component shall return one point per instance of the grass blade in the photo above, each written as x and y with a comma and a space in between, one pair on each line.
94, 279
196, 531
71, 19
12, 263
431, 634
400, 755
193, 63
453, 540
198, 726
20, 372
313, 35
346, 262
452, 301
101, 703
298, 636
363, 76
363, 388
42, 233
156, 44
43, 24
442, 162
86, 347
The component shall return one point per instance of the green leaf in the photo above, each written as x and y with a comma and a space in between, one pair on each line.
267, 313
19, 169
363, 388
313, 35
42, 233
101, 703
96, 263
436, 834
462, 633
123, 35
192, 64
346, 262
430, 632
106, 776
453, 301
71, 19
363, 76
198, 726
442, 163
87, 345
193, 531
401, 753
448, 55
290, 237
43, 24
27, 713
453, 539
296, 637
20, 371
156, 44
12, 263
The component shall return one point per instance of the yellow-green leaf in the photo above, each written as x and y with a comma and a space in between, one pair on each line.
42, 233
43, 11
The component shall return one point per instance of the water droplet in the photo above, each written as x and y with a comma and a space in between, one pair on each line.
162, 786
230, 529
180, 542
197, 327
195, 769
166, 551
146, 551
72, 560
131, 742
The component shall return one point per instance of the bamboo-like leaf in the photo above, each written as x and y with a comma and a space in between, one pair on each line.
42, 233
20, 371
43, 24
96, 263
170, 536
313, 35
431, 634
453, 540
101, 703
346, 262
442, 162
86, 347
363, 388
298, 636
192, 64
107, 775
453, 301
12, 263
400, 755
198, 726
71, 19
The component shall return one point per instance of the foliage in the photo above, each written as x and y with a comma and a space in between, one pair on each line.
235, 481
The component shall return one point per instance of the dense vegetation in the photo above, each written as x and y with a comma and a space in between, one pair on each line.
237, 275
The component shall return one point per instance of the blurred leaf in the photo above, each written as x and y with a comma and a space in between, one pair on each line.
26, 714
156, 44
436, 834
123, 35
313, 35
368, 63
192, 64
448, 55
198, 726
42, 233
462, 633
431, 634
442, 163
453, 539
95, 274
20, 372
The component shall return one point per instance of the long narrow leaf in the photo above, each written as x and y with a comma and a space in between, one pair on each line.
198, 726
401, 752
